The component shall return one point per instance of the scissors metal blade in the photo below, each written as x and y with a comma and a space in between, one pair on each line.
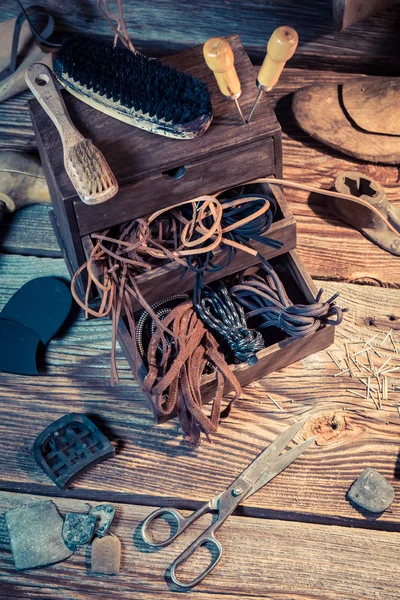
280, 465
261, 463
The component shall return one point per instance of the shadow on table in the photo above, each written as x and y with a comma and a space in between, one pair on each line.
397, 467
317, 202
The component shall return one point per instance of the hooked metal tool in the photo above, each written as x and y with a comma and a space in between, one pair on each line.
263, 469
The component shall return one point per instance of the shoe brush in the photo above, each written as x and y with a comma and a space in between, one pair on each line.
132, 88
85, 165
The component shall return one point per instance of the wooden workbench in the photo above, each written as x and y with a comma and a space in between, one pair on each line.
298, 538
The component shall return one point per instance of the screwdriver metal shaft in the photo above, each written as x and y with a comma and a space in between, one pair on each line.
256, 101
240, 111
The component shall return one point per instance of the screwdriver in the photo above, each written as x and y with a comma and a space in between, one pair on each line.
281, 46
219, 58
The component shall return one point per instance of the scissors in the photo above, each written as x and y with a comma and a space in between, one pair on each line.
264, 467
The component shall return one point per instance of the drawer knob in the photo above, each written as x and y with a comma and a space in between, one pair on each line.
176, 173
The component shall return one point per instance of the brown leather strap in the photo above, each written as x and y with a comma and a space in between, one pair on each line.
309, 188
174, 381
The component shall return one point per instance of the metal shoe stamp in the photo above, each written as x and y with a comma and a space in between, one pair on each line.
78, 529
105, 514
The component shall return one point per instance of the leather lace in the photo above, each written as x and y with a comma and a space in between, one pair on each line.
266, 298
189, 233
174, 380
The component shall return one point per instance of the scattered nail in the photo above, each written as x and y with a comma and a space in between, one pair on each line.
275, 402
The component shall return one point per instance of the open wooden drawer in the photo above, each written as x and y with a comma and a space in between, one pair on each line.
280, 351
170, 279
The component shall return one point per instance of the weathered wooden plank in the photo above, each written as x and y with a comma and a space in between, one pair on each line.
153, 463
309, 162
16, 131
324, 562
168, 26
29, 232
80, 591
140, 160
348, 12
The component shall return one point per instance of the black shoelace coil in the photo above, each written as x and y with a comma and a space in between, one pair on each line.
266, 298
221, 314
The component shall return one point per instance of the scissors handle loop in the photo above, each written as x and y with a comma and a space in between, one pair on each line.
180, 521
215, 548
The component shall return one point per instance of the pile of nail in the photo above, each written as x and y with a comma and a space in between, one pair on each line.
373, 363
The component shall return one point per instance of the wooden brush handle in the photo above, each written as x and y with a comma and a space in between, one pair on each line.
42, 83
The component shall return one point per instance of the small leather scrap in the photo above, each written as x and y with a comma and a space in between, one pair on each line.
372, 491
18, 348
78, 529
105, 514
42, 305
106, 555
36, 535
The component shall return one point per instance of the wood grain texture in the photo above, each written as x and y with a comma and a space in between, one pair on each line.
16, 131
257, 557
372, 102
158, 191
310, 162
166, 26
279, 351
29, 232
172, 278
295, 555
152, 464
348, 12
318, 111
228, 154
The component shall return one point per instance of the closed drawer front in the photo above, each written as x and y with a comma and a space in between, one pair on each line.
183, 183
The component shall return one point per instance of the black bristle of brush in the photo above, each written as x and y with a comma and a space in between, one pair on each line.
138, 82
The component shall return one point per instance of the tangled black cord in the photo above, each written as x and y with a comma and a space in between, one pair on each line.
220, 313
254, 230
267, 299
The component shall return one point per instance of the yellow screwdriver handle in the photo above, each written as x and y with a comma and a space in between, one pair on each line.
281, 46
219, 58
